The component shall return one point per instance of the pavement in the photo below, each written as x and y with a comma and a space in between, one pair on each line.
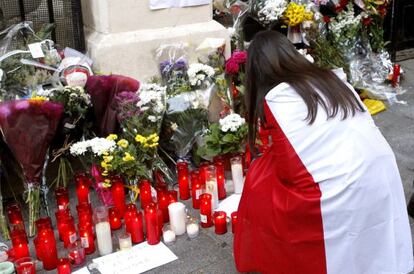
211, 253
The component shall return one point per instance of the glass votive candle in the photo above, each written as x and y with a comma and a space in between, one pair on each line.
43, 223
233, 221
83, 182
14, 214
220, 222
62, 197
192, 229
25, 265
63, 266
76, 253
168, 235
124, 240
114, 218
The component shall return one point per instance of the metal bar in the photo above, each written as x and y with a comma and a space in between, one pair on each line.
77, 22
22, 11
51, 17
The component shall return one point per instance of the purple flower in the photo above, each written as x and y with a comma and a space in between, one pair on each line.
165, 67
127, 97
181, 64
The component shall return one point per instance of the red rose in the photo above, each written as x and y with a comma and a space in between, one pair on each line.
232, 67
326, 19
367, 21
239, 57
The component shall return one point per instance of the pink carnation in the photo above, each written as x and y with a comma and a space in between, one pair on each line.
239, 57
232, 67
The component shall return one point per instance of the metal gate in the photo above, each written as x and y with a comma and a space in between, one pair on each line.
66, 15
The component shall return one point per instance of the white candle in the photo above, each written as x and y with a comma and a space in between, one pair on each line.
168, 236
211, 187
192, 230
237, 174
177, 217
125, 241
103, 238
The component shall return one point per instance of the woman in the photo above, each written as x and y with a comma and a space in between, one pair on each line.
327, 196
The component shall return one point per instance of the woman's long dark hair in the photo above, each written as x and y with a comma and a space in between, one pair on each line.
272, 60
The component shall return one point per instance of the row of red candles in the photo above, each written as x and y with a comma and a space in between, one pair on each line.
133, 218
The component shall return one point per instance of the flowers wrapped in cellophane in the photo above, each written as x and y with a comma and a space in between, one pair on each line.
190, 85
103, 90
93, 150
28, 127
77, 104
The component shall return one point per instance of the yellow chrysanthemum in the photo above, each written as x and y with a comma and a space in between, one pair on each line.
105, 173
140, 139
112, 137
128, 157
38, 99
105, 165
108, 159
123, 143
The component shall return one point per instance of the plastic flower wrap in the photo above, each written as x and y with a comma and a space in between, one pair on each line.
28, 127
270, 11
226, 136
77, 104
103, 90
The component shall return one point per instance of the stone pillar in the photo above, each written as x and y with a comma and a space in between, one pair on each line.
122, 35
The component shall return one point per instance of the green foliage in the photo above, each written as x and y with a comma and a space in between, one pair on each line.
218, 142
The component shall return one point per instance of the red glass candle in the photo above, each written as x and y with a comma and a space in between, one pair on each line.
196, 188
83, 182
205, 210
396, 75
20, 244
202, 169
183, 180
163, 202
43, 223
47, 247
76, 253
145, 193
62, 197
68, 231
87, 237
233, 221
130, 210
114, 218
118, 194
173, 194
221, 180
151, 224
220, 222
135, 228
85, 214
133, 224
25, 265
63, 266
14, 214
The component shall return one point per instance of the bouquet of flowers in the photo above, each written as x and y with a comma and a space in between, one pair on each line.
226, 136
93, 151
235, 70
28, 127
269, 11
76, 103
103, 90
